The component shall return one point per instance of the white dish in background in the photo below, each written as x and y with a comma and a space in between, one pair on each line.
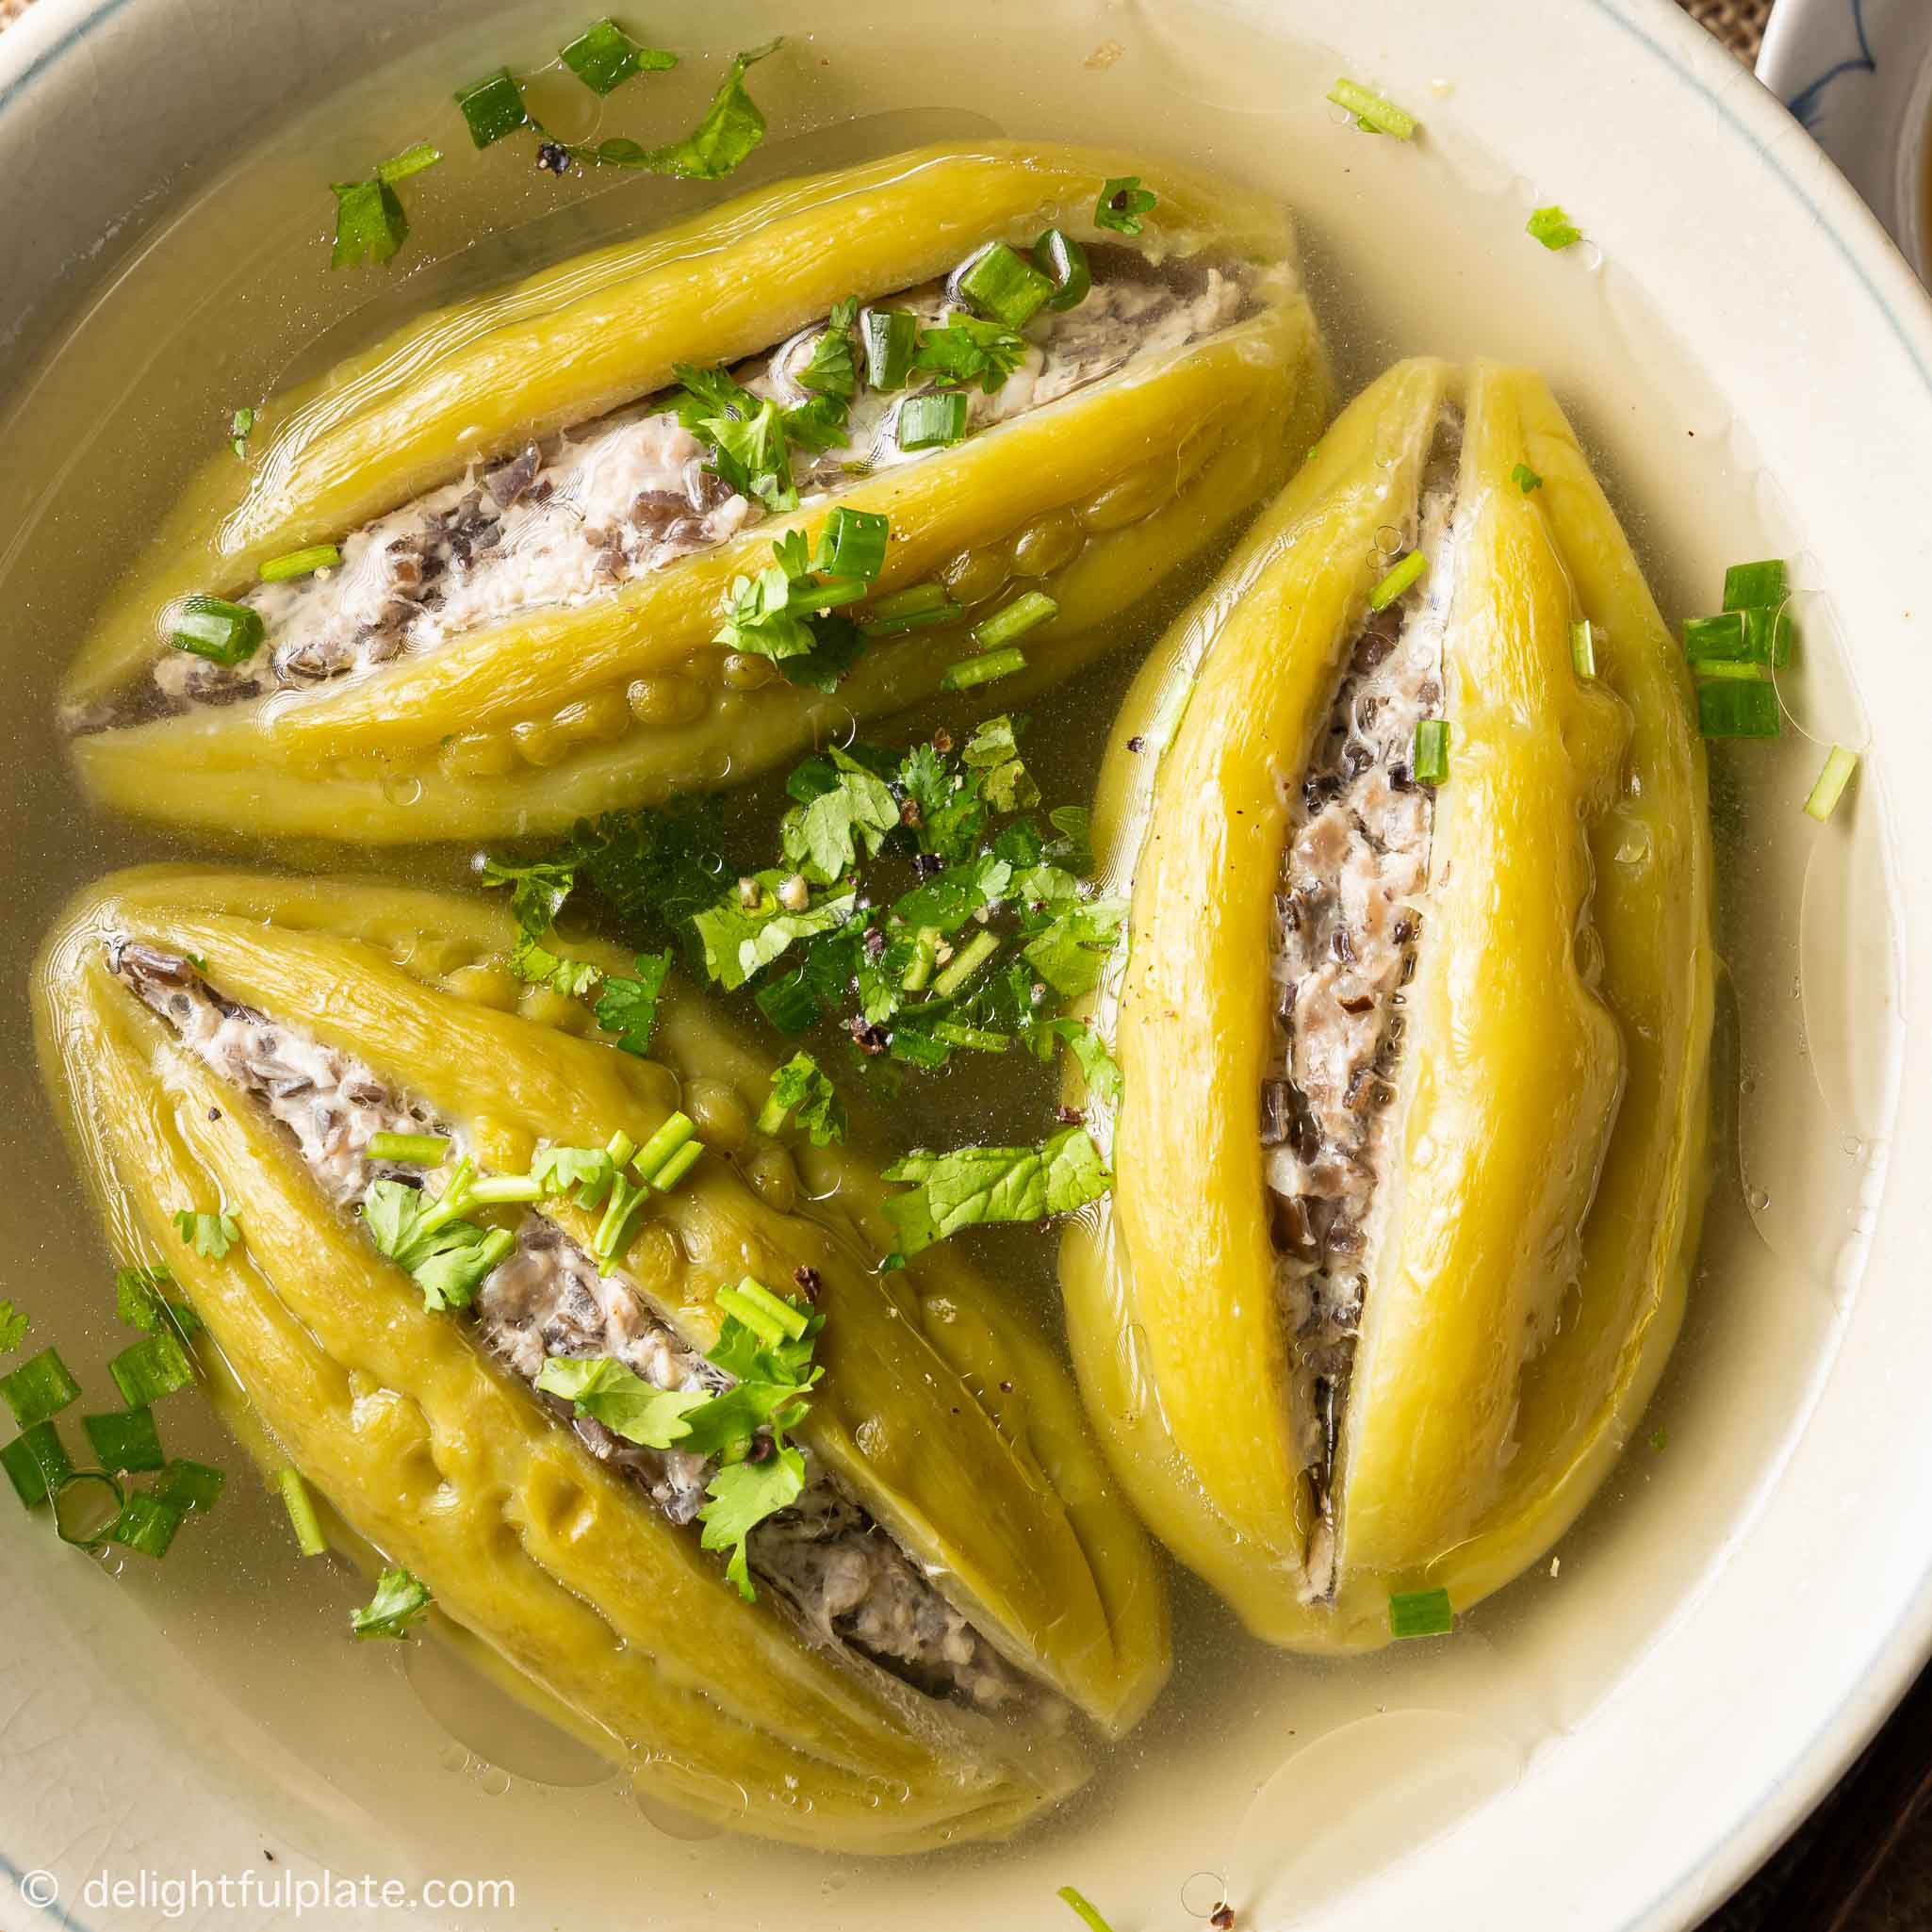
1858, 74
1608, 1750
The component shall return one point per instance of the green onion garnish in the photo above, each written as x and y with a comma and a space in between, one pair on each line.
1121, 203
1746, 706
604, 57
765, 1314
188, 1485
976, 1038
926, 946
891, 340
495, 1190
145, 1525
614, 1232
39, 1387
87, 1506
1084, 1907
1553, 228
303, 563
931, 421
1583, 647
983, 669
151, 1369
370, 225
37, 1464
966, 963
1755, 586
1420, 1614
1738, 637
412, 1150
1768, 637
909, 609
1063, 262
852, 545
212, 627
1034, 608
1525, 479
124, 1439
661, 1145
1373, 114
410, 161
1832, 781
493, 107
1005, 286
620, 1147
1405, 574
677, 1167
301, 1506
1432, 751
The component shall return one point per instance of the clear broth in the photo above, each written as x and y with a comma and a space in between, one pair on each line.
406, 1764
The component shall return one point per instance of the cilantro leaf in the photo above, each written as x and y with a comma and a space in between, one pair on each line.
446, 1263
604, 57
740, 940
974, 1184
208, 1234
850, 808
653, 869
837, 645
800, 1088
370, 225
400, 1600
14, 1324
1122, 202
762, 618
731, 128
629, 1008
537, 892
139, 1302
967, 350
1072, 949
832, 369
742, 1496
623, 1402
589, 1169
993, 752
1098, 1067
539, 966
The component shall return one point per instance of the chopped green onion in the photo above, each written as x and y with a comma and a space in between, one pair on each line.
1739, 708
1034, 608
1432, 760
910, 609
1832, 781
1768, 637
145, 1525
1525, 479
495, 1190
188, 1485
1755, 586
1553, 228
926, 946
772, 1315
82, 1515
493, 107
976, 1038
37, 1464
493, 1248
370, 225
301, 1506
891, 340
852, 545
410, 161
604, 57
1121, 203
661, 1145
1583, 647
241, 427
124, 1439
1743, 673
931, 421
1084, 1907
1063, 262
966, 963
212, 627
303, 563
983, 669
412, 1150
620, 1147
39, 1387
1716, 640
677, 1167
1373, 113
151, 1369
1405, 574
1005, 284
614, 1232
1420, 1614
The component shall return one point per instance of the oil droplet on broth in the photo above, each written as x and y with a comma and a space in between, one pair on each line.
1204, 1894
493, 1733
688, 1827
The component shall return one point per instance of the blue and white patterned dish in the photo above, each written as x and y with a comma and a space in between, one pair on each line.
1858, 75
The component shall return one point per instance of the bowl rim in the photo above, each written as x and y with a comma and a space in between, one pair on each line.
52, 30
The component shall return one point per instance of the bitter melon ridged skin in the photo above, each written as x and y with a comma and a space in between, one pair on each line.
565, 709
940, 1410
1549, 1109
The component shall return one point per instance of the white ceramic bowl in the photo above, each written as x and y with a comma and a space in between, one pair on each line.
1607, 1750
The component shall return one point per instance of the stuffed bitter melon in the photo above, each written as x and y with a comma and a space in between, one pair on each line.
1409, 1160
536, 548
955, 1578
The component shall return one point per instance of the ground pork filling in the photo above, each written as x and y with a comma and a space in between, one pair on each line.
571, 518
825, 1556
1348, 924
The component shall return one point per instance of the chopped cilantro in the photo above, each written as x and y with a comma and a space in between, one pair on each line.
802, 1092
538, 965
629, 1008
843, 808
740, 940
832, 369
1121, 203
1525, 478
967, 350
448, 1257
400, 1600
973, 1185
1098, 1067
208, 1234
537, 892
731, 128
241, 427
140, 1303
624, 1403
1553, 228
742, 1494
370, 225
604, 57
14, 1324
